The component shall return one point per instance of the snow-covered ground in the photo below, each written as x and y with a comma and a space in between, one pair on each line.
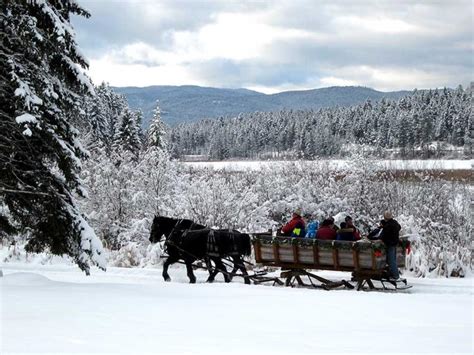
56, 309
339, 164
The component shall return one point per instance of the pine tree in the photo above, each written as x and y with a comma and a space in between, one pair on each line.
127, 133
460, 123
42, 84
156, 132
95, 116
102, 114
139, 120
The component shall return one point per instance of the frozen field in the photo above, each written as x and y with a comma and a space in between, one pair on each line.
56, 309
338, 164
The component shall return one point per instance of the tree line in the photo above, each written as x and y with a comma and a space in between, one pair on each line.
424, 124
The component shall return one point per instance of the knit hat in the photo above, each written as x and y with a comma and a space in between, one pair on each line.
298, 211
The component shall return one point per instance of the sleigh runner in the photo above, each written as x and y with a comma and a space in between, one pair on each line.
365, 259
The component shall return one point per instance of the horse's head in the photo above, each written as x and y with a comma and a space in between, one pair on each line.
161, 226
165, 225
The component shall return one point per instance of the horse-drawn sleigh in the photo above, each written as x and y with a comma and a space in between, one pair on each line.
190, 242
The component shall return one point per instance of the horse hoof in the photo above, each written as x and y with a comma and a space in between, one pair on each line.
192, 281
167, 279
210, 281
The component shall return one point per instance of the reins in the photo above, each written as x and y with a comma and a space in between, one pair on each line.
171, 232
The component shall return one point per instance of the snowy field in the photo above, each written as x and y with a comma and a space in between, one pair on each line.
56, 309
340, 164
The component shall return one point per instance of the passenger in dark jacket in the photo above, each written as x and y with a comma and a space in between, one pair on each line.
376, 234
350, 224
326, 231
346, 233
390, 236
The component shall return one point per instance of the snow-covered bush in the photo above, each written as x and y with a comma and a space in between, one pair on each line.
125, 193
15, 253
136, 254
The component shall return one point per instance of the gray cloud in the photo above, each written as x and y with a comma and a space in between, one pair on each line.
114, 23
233, 74
390, 51
314, 41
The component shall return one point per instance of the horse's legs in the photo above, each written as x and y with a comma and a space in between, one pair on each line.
168, 262
189, 268
243, 269
220, 267
212, 271
235, 268
239, 265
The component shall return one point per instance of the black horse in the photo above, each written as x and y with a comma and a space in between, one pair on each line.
163, 226
189, 241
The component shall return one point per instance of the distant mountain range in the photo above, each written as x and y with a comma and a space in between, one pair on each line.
190, 103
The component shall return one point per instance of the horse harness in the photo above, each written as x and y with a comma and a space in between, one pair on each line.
212, 247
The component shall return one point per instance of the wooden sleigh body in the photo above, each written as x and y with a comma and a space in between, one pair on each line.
365, 259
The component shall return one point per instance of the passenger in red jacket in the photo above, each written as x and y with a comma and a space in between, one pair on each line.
326, 231
296, 226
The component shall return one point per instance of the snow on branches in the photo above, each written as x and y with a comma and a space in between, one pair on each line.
43, 76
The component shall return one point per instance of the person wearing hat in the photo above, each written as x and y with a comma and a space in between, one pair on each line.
390, 237
296, 226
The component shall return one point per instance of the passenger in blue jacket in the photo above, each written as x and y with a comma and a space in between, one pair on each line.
311, 229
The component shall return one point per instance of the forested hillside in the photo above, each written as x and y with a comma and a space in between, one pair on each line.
424, 124
191, 103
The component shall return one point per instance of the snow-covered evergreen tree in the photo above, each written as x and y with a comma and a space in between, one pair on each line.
127, 133
42, 80
156, 131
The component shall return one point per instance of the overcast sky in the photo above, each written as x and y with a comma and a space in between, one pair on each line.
273, 46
